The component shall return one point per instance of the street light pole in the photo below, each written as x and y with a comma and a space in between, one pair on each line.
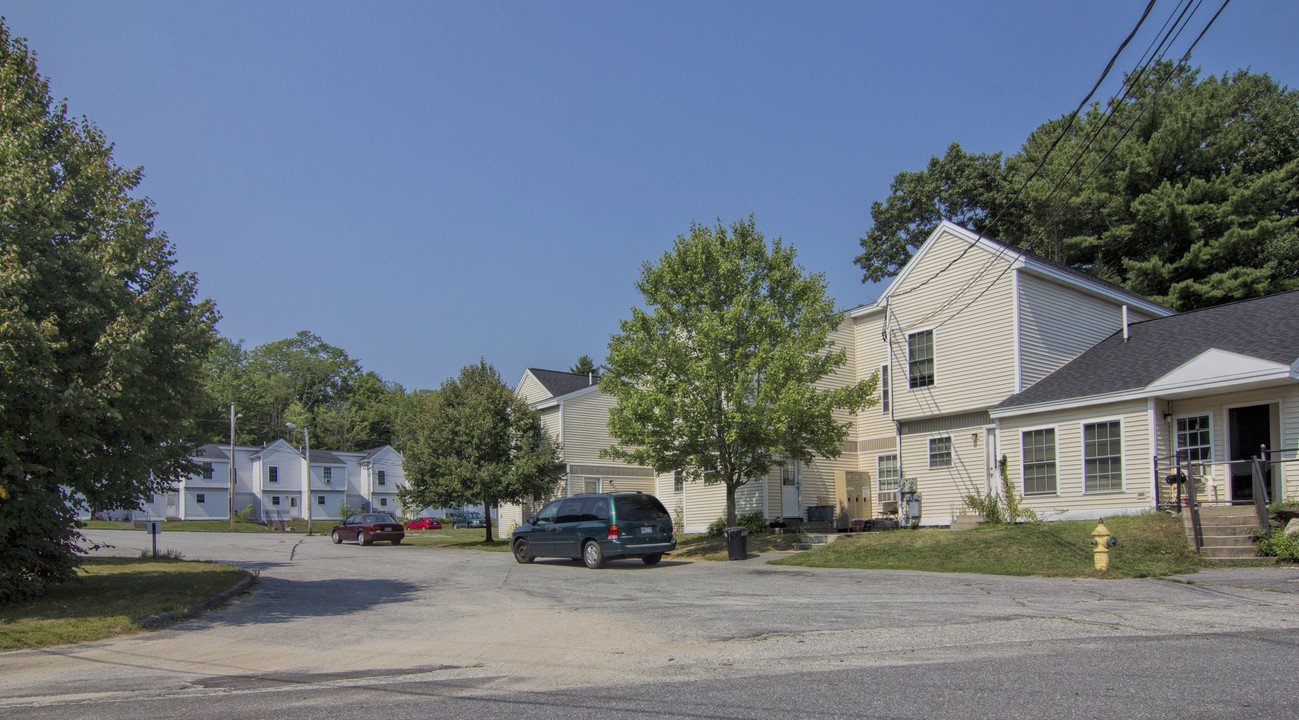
306, 476
231, 498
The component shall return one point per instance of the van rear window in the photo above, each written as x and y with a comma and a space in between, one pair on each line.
639, 508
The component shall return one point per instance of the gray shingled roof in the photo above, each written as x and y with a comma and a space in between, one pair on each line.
325, 457
562, 383
211, 451
1266, 328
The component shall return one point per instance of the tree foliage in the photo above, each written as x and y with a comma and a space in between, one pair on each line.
585, 366
102, 341
473, 441
306, 381
717, 378
1197, 205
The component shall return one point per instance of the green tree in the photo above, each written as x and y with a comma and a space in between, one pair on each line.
585, 366
102, 341
474, 442
718, 377
1197, 205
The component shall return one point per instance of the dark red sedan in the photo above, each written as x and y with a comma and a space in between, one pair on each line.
424, 523
365, 528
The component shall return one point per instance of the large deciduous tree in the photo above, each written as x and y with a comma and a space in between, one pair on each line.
1198, 204
472, 441
718, 376
102, 341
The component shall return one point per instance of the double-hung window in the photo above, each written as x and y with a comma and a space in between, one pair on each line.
884, 389
326, 474
679, 481
1039, 462
887, 478
383, 477
920, 359
207, 471
1103, 457
1195, 439
273, 474
940, 452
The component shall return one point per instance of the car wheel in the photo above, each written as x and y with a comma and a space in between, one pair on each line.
365, 538
592, 555
396, 541
522, 553
652, 559
334, 536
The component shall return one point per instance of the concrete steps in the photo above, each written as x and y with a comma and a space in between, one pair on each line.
811, 542
1225, 531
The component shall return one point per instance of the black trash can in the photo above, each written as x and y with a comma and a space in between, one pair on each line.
737, 543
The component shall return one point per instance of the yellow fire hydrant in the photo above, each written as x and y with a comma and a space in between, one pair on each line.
1102, 541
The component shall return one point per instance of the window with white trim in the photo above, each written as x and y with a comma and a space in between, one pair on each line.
679, 481
383, 477
888, 478
1194, 439
320, 499
275, 499
1103, 457
940, 452
200, 498
293, 502
272, 474
383, 502
920, 359
1039, 462
207, 471
884, 389
326, 474
591, 485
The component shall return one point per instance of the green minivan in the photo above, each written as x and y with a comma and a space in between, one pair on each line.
594, 528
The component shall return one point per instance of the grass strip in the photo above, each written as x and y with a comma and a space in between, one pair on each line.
1149, 545
109, 597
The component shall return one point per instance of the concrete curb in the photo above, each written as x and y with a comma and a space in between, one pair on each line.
221, 598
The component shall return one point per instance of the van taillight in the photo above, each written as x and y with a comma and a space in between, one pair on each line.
612, 534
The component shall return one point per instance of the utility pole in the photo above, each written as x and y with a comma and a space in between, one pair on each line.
231, 498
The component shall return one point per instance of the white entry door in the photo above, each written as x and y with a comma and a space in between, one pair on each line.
789, 490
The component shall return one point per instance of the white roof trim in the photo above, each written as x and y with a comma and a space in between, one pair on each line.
555, 400
1212, 371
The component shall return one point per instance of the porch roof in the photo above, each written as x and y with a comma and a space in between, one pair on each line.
1263, 332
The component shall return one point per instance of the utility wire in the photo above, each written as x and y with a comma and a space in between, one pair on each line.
1069, 124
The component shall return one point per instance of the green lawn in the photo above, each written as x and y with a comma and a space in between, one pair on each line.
109, 598
1149, 545
463, 539
199, 526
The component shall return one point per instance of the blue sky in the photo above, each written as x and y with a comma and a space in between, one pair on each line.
427, 183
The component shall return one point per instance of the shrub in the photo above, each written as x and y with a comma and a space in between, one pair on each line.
245, 515
1000, 509
755, 522
1273, 542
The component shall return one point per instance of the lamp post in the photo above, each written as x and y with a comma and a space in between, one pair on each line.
231, 497
306, 476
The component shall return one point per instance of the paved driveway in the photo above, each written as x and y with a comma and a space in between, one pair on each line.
329, 619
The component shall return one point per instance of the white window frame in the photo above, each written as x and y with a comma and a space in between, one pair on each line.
383, 502
381, 476
951, 452
275, 500
678, 481
320, 499
207, 470
933, 359
273, 473
1082, 440
886, 397
891, 494
1177, 446
1023, 461
326, 474
587, 482
200, 498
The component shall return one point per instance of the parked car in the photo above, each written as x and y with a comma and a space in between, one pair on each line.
425, 523
465, 520
595, 528
365, 528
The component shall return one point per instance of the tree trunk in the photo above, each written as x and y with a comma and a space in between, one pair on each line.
730, 504
487, 518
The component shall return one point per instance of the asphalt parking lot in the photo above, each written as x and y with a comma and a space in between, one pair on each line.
342, 618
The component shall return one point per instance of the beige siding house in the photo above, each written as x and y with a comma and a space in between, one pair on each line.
1215, 387
968, 323
576, 416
